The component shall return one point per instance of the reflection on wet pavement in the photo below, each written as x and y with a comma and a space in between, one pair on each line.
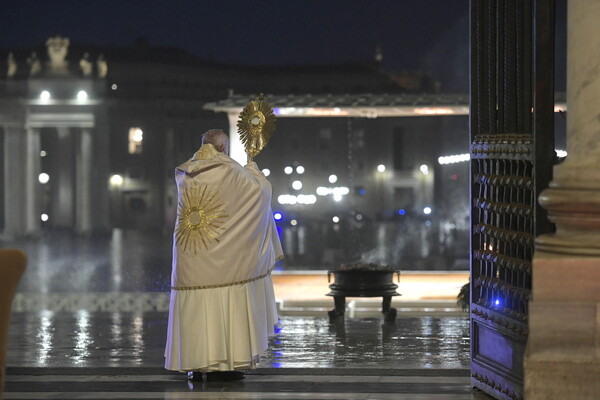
98, 339
95, 309
124, 261
370, 343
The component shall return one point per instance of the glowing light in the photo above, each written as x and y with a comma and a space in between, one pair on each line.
335, 219
43, 178
43, 153
266, 172
428, 223
138, 136
455, 158
300, 169
497, 302
342, 191
278, 216
82, 95
288, 170
322, 191
293, 111
427, 210
381, 168
284, 110
297, 185
44, 217
45, 95
401, 211
306, 199
561, 153
433, 111
116, 180
287, 199
114, 86
359, 217
337, 197
424, 169
335, 191
332, 178
293, 222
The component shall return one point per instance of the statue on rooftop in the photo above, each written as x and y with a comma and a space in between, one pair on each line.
58, 47
12, 66
102, 66
86, 65
35, 66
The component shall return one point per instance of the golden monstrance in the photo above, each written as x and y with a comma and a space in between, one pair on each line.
256, 126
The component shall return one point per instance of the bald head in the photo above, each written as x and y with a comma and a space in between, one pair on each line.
217, 138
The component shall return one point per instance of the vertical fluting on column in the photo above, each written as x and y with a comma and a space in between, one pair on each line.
563, 352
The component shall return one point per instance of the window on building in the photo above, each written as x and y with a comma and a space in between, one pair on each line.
403, 146
136, 138
404, 197
325, 139
359, 138
137, 204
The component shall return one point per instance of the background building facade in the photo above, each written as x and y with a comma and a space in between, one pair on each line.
90, 137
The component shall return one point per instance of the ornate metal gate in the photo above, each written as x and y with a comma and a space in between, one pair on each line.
511, 159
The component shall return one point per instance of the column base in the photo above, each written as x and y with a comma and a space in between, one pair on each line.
561, 380
562, 360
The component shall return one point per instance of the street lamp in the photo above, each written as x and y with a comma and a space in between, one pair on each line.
116, 180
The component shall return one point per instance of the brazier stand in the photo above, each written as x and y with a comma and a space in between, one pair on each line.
363, 283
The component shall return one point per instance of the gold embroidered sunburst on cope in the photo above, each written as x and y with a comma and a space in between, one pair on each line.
200, 218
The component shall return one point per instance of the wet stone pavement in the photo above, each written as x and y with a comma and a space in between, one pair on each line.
85, 352
98, 339
104, 355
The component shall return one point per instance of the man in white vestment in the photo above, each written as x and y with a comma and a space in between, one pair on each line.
225, 245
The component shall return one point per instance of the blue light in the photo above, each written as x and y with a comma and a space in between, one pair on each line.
362, 192
401, 211
278, 216
497, 302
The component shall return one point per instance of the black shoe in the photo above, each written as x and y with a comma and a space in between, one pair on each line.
224, 376
194, 376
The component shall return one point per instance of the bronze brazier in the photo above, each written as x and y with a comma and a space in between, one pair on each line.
363, 282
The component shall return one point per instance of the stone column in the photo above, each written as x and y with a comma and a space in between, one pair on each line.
83, 206
562, 359
100, 161
236, 148
14, 178
62, 204
31, 182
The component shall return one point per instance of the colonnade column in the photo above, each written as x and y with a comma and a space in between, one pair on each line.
14, 176
62, 206
32, 188
562, 359
83, 211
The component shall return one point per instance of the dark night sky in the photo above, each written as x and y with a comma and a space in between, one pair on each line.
427, 35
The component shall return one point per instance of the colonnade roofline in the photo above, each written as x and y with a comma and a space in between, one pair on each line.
359, 105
